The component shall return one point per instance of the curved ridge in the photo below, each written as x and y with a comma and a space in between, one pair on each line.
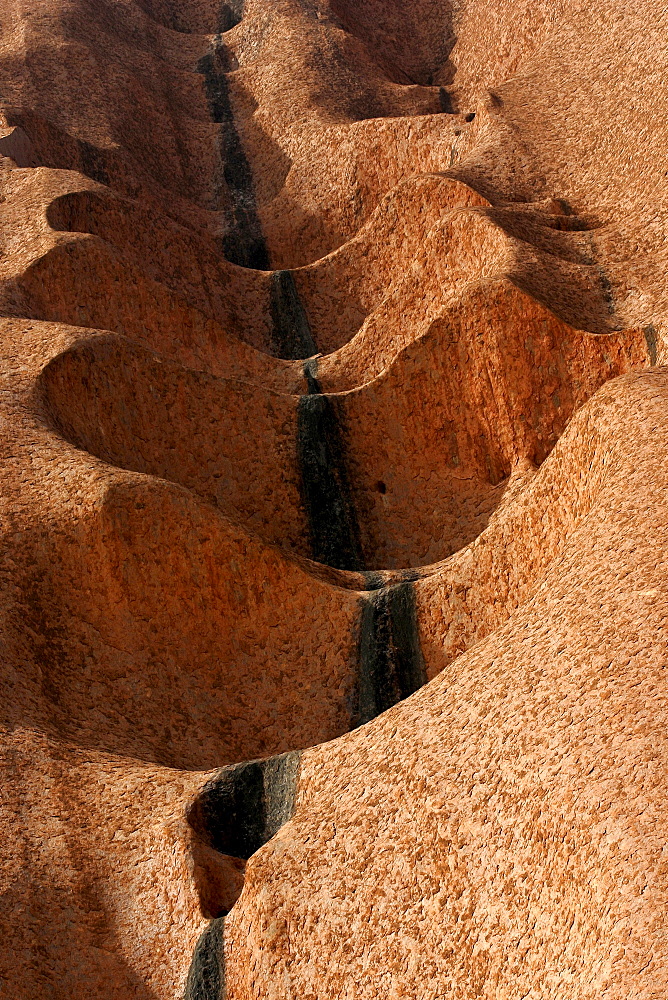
328, 433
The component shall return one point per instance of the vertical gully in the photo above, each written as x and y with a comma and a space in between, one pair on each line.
391, 666
237, 811
390, 663
206, 975
244, 242
325, 485
243, 806
292, 338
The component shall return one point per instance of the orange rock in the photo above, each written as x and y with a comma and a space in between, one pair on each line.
333, 501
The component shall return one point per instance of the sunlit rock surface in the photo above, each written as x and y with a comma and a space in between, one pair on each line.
334, 499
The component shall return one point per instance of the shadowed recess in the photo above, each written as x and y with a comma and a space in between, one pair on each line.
206, 975
325, 484
445, 101
244, 242
650, 340
231, 14
243, 806
390, 659
291, 336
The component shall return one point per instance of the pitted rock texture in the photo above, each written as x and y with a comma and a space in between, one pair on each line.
334, 499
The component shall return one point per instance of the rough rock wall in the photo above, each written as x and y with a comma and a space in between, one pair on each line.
333, 499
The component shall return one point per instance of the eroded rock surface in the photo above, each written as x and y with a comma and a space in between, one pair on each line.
334, 499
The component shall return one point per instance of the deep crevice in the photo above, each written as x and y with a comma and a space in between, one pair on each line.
391, 664
291, 337
243, 806
651, 341
244, 243
325, 485
206, 975
231, 14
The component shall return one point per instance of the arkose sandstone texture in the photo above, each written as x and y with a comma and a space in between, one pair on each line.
333, 500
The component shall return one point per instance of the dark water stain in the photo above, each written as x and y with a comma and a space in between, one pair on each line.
445, 100
590, 259
236, 813
389, 659
244, 243
311, 376
93, 163
391, 665
292, 338
325, 484
650, 340
243, 806
230, 15
606, 288
206, 975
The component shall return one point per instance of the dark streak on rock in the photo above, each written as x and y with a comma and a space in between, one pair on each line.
243, 806
445, 100
206, 976
230, 15
93, 163
650, 340
590, 259
391, 662
325, 485
236, 812
292, 338
244, 243
311, 376
606, 288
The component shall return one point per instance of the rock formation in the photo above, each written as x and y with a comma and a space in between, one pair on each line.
334, 499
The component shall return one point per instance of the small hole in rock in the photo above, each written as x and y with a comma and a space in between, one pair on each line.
469, 118
381, 487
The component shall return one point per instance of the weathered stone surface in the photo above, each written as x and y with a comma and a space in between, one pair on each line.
333, 504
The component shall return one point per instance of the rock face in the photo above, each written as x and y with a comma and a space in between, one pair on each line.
334, 499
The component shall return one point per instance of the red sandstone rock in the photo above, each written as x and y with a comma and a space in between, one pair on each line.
333, 499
